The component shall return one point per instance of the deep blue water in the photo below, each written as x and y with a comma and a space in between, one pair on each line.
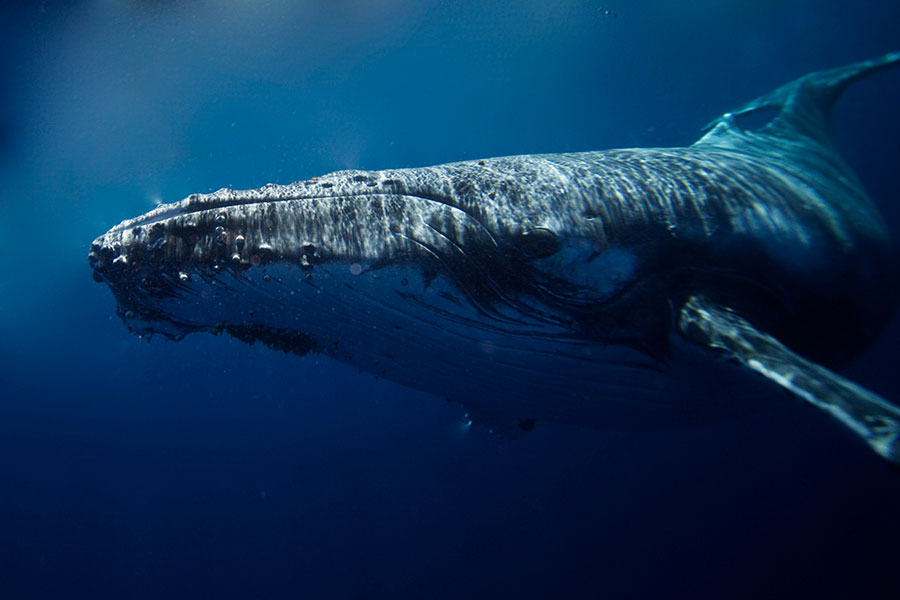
209, 468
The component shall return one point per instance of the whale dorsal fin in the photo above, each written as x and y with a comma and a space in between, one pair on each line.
799, 108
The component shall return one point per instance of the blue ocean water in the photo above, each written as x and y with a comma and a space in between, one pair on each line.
208, 468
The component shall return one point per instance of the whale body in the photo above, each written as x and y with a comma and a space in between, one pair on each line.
614, 288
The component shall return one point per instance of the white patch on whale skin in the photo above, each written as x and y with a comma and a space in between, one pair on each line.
599, 272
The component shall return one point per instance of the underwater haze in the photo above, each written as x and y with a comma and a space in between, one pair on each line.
208, 468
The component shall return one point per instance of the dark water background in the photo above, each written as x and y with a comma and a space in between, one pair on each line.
210, 469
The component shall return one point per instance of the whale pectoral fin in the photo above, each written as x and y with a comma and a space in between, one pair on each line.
866, 414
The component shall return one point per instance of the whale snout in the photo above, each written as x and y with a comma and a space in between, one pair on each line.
106, 256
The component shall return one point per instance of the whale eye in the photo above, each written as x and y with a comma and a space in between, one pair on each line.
538, 243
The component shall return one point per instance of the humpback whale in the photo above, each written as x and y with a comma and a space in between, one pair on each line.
629, 287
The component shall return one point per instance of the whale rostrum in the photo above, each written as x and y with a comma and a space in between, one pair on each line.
627, 287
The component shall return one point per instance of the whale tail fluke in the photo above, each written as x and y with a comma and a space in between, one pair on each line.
801, 107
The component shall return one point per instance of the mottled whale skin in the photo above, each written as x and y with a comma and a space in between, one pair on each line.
621, 287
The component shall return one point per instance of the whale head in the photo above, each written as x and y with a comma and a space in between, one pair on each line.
282, 264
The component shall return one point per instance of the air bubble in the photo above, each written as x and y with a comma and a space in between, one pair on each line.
266, 278
356, 268
235, 258
183, 276
221, 218
239, 241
